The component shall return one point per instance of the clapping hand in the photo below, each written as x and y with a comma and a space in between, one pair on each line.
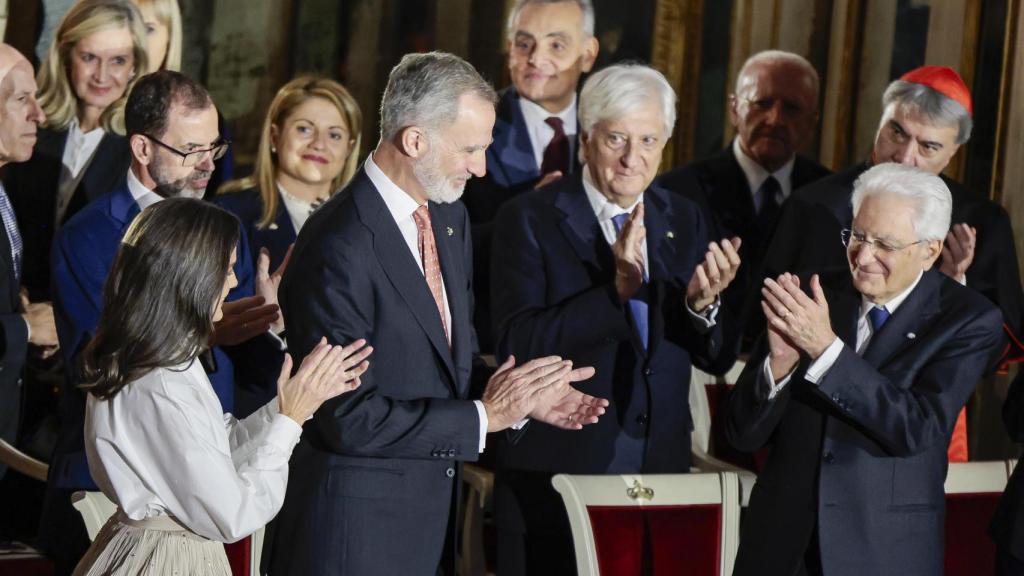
714, 274
567, 408
267, 283
326, 372
800, 321
629, 255
958, 251
243, 319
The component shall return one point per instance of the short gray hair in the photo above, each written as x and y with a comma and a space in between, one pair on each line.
768, 57
585, 6
617, 90
933, 106
932, 199
424, 90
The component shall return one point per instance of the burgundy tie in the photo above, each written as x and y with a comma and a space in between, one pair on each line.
431, 265
556, 155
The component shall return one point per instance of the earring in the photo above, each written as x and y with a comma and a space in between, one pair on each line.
273, 149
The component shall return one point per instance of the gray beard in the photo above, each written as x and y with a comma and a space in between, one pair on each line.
434, 184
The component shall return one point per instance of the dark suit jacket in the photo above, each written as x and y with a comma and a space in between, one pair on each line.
861, 456
276, 238
719, 186
554, 293
511, 170
14, 342
1007, 527
808, 238
34, 196
372, 482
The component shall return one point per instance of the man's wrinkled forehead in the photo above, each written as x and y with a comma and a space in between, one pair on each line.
9, 58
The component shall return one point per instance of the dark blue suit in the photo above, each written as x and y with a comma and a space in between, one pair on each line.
511, 170
554, 293
374, 481
83, 254
859, 460
276, 238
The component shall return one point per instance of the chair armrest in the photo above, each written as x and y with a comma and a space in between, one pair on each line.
704, 462
22, 462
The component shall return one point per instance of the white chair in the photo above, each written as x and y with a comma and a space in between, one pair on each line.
662, 523
972, 494
1010, 465
96, 509
18, 460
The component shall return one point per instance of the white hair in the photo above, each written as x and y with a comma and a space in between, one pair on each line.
933, 204
585, 6
774, 57
424, 90
615, 91
933, 106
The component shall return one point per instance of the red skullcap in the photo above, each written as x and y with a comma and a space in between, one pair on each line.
943, 80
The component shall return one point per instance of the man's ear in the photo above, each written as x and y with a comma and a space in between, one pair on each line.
932, 252
734, 115
413, 142
142, 149
590, 49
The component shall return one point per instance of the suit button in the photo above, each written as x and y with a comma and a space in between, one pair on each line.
435, 453
829, 458
641, 419
648, 371
451, 453
450, 472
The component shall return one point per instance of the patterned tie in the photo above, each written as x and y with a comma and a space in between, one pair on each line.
637, 306
556, 155
431, 265
771, 200
11, 226
878, 315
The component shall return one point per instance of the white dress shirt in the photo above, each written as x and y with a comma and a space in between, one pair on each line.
402, 206
297, 208
163, 447
819, 367
79, 149
143, 196
540, 132
756, 174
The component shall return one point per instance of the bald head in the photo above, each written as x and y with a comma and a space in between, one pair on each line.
20, 114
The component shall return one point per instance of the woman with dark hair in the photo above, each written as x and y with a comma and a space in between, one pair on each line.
185, 476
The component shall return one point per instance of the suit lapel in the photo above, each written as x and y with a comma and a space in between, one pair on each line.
400, 267
108, 154
661, 257
734, 200
910, 318
455, 287
7, 263
512, 141
580, 225
844, 311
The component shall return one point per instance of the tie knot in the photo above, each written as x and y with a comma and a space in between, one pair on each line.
556, 124
878, 315
619, 220
422, 217
771, 189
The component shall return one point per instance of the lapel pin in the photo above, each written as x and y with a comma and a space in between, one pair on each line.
911, 335
273, 226
670, 234
450, 231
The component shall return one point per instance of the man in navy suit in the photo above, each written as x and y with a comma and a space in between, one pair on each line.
741, 189
172, 127
550, 45
857, 385
20, 324
375, 480
606, 270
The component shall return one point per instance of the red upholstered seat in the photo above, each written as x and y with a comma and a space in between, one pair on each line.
681, 540
239, 556
718, 403
969, 550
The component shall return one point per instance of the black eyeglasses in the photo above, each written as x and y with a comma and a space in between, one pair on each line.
189, 159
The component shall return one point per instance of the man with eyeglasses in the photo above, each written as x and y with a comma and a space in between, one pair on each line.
857, 384
775, 112
171, 123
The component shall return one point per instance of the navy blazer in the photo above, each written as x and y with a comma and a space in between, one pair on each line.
33, 188
14, 343
807, 238
861, 456
554, 293
374, 478
83, 255
511, 170
719, 186
276, 238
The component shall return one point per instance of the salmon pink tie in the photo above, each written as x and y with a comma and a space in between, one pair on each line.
431, 265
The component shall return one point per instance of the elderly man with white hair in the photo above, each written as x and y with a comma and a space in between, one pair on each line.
607, 271
21, 323
857, 384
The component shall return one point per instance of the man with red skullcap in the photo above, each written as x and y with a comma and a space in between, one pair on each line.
926, 117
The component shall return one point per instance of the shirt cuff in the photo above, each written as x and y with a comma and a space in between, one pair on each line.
284, 432
521, 424
773, 387
817, 370
483, 424
705, 321
280, 341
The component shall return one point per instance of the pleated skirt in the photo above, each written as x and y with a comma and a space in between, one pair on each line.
152, 547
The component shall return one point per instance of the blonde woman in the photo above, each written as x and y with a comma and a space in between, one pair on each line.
309, 149
98, 52
163, 33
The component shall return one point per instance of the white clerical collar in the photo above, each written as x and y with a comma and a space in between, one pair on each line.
756, 174
535, 114
399, 203
893, 303
143, 196
603, 208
